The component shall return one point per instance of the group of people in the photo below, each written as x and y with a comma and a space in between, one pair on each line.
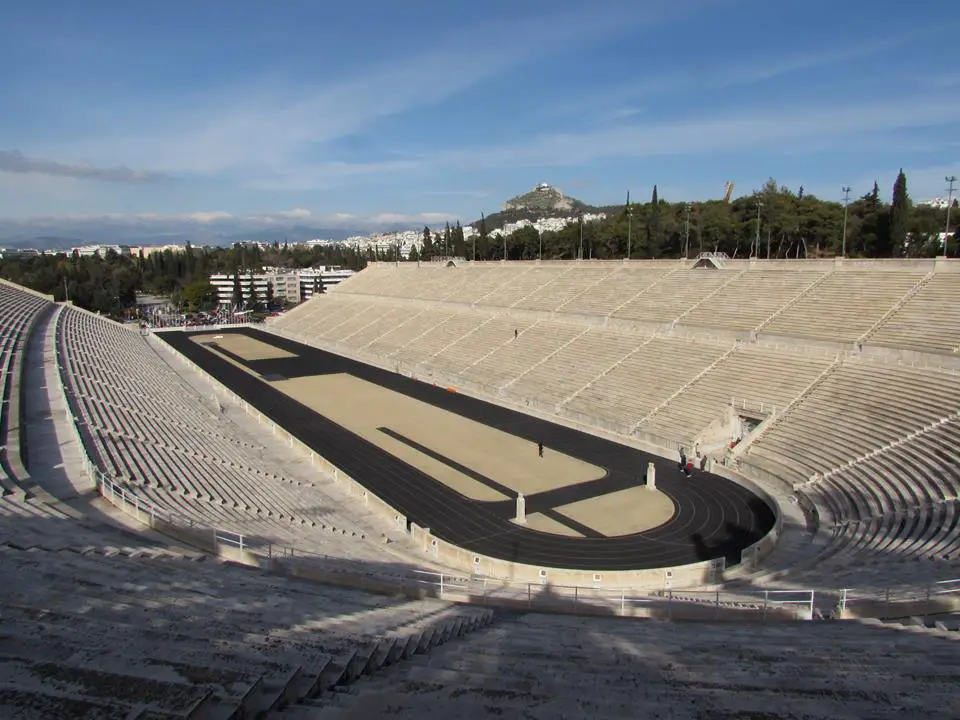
686, 464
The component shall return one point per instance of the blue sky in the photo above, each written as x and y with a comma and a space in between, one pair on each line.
414, 110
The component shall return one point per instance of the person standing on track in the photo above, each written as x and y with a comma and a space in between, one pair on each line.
540, 449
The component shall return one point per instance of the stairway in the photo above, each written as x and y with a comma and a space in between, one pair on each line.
899, 304
340, 680
742, 448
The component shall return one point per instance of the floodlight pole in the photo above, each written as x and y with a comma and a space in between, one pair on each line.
846, 203
580, 216
946, 235
757, 248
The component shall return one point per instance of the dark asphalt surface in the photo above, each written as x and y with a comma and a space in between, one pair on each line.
713, 517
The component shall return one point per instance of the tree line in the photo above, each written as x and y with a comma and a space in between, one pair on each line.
109, 284
773, 222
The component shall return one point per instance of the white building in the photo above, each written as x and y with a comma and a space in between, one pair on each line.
940, 203
148, 250
100, 250
7, 253
328, 275
548, 224
288, 285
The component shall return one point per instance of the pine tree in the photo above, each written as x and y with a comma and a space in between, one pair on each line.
899, 211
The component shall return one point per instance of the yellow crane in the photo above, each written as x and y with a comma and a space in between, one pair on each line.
727, 190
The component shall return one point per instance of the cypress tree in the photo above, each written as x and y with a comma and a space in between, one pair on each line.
237, 298
426, 252
653, 225
899, 211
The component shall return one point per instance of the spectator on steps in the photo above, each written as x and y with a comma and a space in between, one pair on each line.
540, 449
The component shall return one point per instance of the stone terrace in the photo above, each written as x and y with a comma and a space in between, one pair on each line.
537, 666
666, 354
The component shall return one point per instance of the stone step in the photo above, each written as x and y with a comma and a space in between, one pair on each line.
46, 703
94, 684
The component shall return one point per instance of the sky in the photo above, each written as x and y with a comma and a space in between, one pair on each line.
415, 111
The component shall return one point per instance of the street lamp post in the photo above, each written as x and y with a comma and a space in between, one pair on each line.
629, 228
846, 203
504, 243
686, 234
580, 216
540, 252
757, 245
946, 236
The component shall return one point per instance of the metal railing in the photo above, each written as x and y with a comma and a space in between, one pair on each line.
752, 604
753, 406
941, 590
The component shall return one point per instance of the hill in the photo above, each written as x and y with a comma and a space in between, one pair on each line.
542, 201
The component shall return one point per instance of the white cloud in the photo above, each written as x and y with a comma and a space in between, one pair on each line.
264, 127
744, 73
321, 176
294, 214
622, 100
252, 220
208, 217
16, 162
401, 219
457, 193
770, 129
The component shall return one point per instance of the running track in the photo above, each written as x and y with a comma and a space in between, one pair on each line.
713, 517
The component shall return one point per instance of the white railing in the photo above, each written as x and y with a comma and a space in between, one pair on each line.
751, 406
941, 590
143, 510
202, 328
799, 604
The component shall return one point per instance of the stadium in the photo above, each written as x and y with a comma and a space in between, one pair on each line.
687, 489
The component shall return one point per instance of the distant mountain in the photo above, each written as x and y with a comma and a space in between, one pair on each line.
68, 233
541, 202
293, 234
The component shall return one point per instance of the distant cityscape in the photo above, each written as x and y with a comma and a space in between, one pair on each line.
382, 242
